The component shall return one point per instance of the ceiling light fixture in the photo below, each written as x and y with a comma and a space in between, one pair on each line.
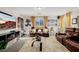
39, 8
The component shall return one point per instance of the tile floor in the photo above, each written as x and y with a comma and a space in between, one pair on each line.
50, 44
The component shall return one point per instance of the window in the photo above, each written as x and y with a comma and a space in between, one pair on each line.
39, 21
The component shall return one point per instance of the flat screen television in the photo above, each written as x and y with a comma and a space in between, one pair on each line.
7, 21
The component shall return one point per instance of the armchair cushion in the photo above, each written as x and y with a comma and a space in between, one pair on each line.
45, 31
33, 30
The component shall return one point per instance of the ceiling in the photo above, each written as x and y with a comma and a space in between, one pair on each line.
35, 11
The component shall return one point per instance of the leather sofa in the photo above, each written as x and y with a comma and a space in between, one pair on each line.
41, 32
71, 44
60, 36
71, 41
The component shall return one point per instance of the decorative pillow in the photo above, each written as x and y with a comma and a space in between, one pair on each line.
68, 35
39, 31
75, 34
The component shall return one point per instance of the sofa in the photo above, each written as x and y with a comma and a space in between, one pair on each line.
42, 32
70, 39
71, 44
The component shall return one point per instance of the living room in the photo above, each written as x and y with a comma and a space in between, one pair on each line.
56, 26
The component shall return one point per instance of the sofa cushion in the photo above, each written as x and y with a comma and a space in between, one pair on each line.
75, 38
71, 45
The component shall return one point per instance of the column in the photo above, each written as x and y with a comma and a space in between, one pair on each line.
62, 23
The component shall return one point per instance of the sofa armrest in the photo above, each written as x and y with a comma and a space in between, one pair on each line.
61, 33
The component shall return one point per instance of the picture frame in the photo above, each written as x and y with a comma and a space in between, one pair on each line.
74, 21
52, 22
